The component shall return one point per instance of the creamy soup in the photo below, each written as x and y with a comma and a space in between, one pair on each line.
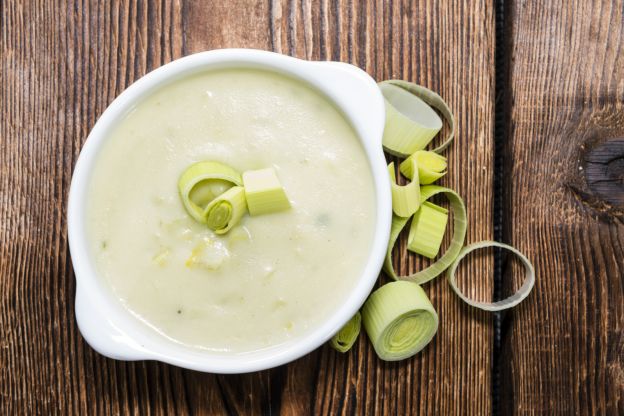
270, 279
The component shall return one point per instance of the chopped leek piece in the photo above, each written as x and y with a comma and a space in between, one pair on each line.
399, 320
410, 121
202, 182
459, 233
226, 210
427, 230
264, 192
207, 190
431, 166
346, 337
512, 300
405, 199
160, 259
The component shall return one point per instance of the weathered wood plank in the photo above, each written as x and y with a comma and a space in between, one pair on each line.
564, 351
63, 62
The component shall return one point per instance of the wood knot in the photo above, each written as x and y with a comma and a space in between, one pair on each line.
604, 171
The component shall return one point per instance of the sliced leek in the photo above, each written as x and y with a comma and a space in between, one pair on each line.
202, 182
507, 303
457, 241
405, 199
264, 192
399, 320
427, 230
348, 334
431, 166
411, 123
207, 190
226, 210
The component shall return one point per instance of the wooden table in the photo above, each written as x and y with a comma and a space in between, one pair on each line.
538, 90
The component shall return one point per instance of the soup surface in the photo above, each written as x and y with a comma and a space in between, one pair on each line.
271, 278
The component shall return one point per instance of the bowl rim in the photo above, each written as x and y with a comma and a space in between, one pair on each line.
110, 328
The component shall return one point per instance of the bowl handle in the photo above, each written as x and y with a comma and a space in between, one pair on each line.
357, 91
101, 333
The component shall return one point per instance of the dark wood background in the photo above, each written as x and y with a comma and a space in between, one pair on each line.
538, 90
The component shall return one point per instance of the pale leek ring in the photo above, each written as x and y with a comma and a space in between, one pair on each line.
427, 230
406, 198
457, 241
402, 135
399, 320
197, 173
431, 166
226, 210
348, 334
507, 303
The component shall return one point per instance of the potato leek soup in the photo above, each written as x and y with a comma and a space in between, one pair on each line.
271, 274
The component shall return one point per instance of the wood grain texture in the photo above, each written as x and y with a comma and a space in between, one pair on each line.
63, 62
564, 349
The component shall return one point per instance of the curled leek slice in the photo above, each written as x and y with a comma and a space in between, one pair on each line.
399, 320
427, 230
512, 300
264, 192
459, 234
346, 337
431, 166
202, 182
226, 210
405, 199
411, 123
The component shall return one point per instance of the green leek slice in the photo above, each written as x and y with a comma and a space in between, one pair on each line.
405, 199
264, 192
348, 334
457, 241
205, 191
226, 210
431, 166
507, 303
427, 230
202, 182
399, 320
411, 123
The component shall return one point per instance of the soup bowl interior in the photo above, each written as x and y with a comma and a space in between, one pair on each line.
110, 328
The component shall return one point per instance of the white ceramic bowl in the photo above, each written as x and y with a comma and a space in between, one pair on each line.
112, 330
